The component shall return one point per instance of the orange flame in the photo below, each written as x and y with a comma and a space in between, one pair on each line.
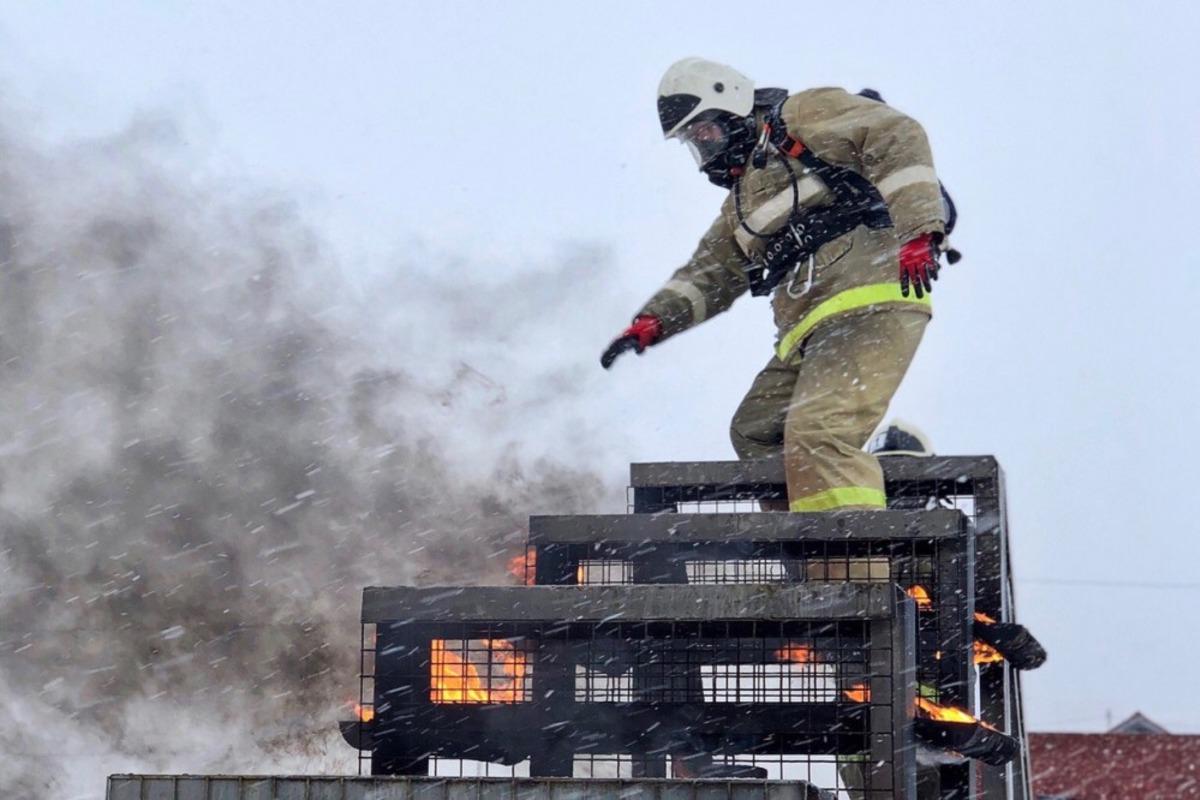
523, 566
944, 713
858, 693
364, 713
921, 595
580, 575
986, 654
794, 653
457, 679
861, 693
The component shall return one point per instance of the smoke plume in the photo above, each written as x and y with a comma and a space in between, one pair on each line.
211, 440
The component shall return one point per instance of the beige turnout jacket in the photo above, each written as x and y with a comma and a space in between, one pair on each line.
854, 274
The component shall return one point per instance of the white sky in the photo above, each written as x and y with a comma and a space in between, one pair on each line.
1070, 138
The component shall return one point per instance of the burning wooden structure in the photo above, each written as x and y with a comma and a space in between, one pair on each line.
640, 674
973, 485
701, 638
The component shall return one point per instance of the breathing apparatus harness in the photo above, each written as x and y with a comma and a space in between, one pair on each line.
856, 201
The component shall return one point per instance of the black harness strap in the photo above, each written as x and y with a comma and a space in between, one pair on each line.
797, 210
855, 201
855, 194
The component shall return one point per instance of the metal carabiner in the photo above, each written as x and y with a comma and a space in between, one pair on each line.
808, 283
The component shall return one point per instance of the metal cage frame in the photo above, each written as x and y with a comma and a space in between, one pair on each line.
912, 482
409, 728
659, 548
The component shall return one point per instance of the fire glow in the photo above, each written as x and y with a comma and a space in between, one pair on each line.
957, 731
858, 693
364, 713
921, 596
794, 654
523, 566
983, 653
986, 654
933, 710
456, 677
861, 693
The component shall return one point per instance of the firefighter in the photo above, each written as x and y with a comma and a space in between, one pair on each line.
834, 210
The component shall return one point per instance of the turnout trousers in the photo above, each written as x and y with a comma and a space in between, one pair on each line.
821, 404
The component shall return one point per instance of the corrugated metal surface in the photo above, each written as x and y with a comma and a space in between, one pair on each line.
232, 787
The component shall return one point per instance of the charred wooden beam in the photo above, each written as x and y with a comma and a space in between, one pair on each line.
1012, 640
970, 739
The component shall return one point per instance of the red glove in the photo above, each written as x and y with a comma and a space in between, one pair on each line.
644, 332
646, 329
918, 265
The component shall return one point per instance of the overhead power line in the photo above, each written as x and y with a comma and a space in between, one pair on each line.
1119, 584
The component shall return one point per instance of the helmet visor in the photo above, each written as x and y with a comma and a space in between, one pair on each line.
674, 109
706, 139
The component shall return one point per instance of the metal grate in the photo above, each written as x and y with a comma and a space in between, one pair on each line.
927, 554
973, 485
958, 494
603, 697
479, 671
601, 572
812, 698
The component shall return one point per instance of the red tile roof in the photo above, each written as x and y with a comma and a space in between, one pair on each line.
1107, 766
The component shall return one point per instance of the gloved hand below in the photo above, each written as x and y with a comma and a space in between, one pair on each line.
918, 265
644, 332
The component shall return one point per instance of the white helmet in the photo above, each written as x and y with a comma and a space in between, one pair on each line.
693, 86
899, 438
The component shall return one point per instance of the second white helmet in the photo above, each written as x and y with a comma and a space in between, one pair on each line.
692, 86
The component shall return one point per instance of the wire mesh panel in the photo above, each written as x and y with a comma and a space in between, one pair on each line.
973, 485
929, 554
646, 681
970, 484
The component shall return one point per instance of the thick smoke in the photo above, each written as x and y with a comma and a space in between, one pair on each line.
209, 445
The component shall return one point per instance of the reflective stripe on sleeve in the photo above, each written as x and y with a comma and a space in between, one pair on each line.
860, 297
840, 497
906, 177
693, 296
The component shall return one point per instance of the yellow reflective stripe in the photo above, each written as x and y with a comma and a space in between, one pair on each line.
839, 497
849, 300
